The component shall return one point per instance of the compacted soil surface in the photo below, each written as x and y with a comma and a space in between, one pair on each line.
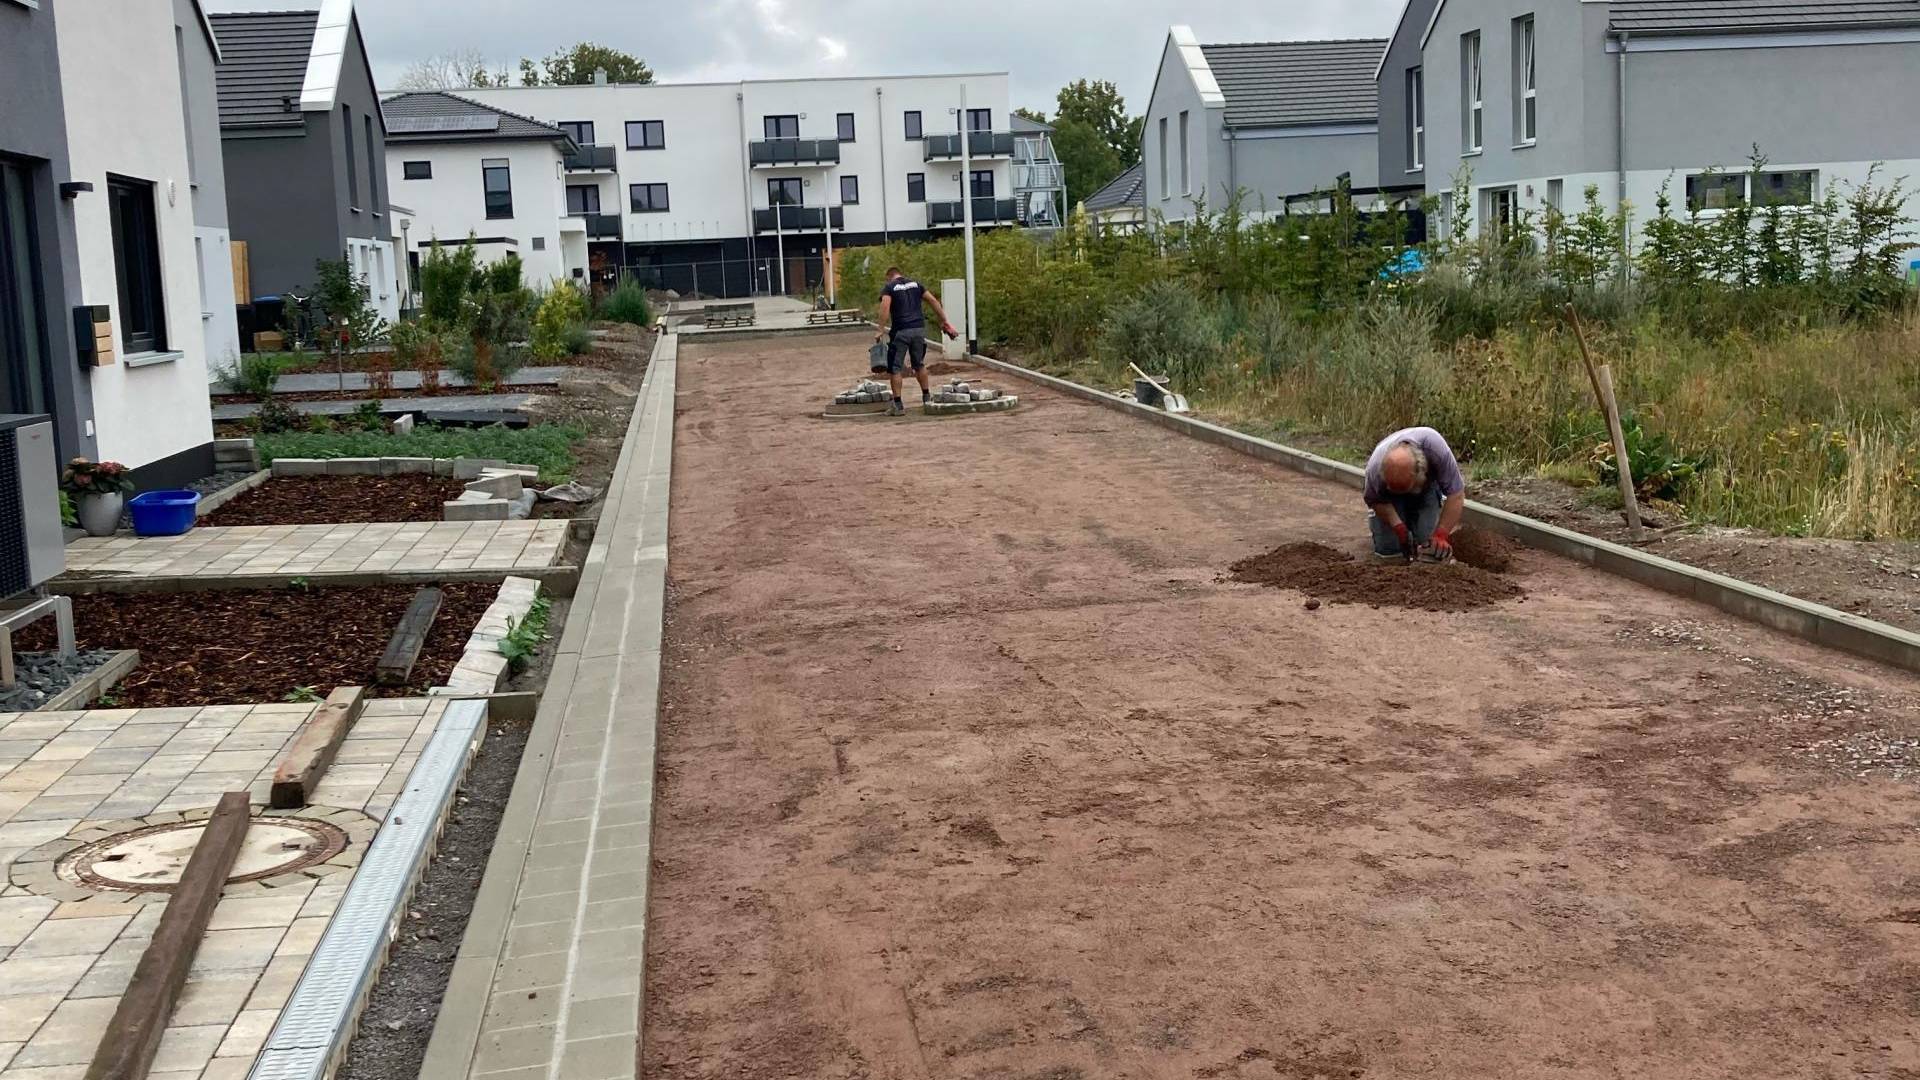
217, 648
976, 762
327, 500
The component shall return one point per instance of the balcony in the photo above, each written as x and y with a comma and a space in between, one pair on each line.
982, 145
599, 226
797, 219
1038, 176
591, 159
787, 153
986, 211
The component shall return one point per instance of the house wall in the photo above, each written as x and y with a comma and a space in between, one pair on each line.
452, 205
151, 412
280, 199
1271, 164
1174, 92
33, 133
1403, 54
212, 239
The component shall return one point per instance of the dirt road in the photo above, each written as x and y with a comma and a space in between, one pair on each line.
974, 765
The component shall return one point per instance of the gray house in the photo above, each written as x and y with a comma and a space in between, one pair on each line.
1528, 97
1276, 121
305, 146
1400, 81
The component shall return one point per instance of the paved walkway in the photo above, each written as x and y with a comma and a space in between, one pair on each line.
67, 952
547, 982
303, 382
388, 406
505, 546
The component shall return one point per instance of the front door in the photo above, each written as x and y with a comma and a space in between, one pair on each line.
23, 311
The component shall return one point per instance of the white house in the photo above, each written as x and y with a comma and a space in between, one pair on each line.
734, 188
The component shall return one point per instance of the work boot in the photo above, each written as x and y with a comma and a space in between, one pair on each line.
898, 408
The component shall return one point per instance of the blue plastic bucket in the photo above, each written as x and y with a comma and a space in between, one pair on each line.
163, 513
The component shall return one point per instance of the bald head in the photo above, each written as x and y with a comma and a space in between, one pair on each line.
1404, 470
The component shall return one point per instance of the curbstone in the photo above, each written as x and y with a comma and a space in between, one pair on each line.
299, 467
353, 466
499, 485
481, 509
403, 424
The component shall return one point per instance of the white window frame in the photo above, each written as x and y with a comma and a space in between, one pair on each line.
1186, 153
1416, 119
1527, 102
1166, 189
1746, 192
1473, 115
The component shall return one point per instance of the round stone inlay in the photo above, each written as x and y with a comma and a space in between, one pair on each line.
153, 859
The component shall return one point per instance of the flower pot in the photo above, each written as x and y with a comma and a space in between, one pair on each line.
99, 512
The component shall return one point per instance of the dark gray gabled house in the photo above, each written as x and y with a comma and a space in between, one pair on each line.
305, 146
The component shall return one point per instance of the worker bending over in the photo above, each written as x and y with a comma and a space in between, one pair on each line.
901, 300
1417, 495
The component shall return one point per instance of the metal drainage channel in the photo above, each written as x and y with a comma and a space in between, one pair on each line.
314, 1028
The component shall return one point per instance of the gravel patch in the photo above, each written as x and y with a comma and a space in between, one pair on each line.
38, 676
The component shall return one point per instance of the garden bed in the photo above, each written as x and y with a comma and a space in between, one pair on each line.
265, 645
364, 394
343, 500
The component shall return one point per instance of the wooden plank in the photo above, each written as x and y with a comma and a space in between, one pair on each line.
126, 1050
242, 273
313, 749
396, 664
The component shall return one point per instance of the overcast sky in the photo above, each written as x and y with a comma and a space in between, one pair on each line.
1042, 43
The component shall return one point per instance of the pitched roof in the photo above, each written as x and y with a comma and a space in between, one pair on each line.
1020, 125
263, 65
1291, 83
1706, 16
437, 116
1127, 189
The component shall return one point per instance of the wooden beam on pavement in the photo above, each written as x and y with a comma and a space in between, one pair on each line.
126, 1050
314, 748
396, 664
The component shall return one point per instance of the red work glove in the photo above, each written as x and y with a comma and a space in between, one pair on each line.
1442, 544
1405, 536
950, 331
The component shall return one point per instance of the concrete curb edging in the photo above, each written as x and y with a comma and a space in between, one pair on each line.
93, 683
1804, 619
558, 580
210, 503
482, 667
622, 595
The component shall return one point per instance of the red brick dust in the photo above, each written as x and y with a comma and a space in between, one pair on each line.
1336, 577
969, 767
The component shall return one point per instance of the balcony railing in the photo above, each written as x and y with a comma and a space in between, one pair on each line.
1040, 176
600, 226
773, 153
797, 219
986, 211
980, 144
591, 159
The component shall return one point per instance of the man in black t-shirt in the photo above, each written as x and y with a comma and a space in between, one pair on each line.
903, 321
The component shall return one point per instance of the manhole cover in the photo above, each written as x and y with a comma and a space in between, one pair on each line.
152, 859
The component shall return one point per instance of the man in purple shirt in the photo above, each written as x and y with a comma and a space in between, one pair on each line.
1417, 495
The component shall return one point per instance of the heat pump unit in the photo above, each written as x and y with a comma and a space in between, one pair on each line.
32, 546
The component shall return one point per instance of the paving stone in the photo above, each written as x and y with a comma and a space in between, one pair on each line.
187, 1049
24, 1014
236, 950
248, 1033
598, 1059
71, 937
69, 1036
256, 912
19, 915
601, 1017
513, 1048
213, 999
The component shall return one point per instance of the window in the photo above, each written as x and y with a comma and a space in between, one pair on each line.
916, 187
1557, 195
784, 191
1498, 212
580, 131
539, 243
23, 313
416, 170
1186, 156
1784, 188
782, 127
1718, 191
1525, 111
913, 125
843, 127
136, 266
373, 167
1166, 189
1472, 103
583, 199
1416, 120
979, 119
849, 191
981, 183
646, 134
353, 170
497, 180
648, 198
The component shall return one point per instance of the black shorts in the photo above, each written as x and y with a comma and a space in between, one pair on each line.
907, 344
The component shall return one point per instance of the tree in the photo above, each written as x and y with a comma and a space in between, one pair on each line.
456, 69
1100, 107
1034, 115
1090, 162
576, 67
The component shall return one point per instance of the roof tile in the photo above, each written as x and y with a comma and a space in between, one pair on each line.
1292, 83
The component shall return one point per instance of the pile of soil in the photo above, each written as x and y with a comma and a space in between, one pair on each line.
258, 645
1335, 577
1486, 550
944, 368
343, 500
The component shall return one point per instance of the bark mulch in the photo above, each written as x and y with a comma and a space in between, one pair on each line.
364, 394
259, 645
342, 500
1325, 574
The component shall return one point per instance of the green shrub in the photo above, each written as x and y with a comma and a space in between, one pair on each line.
1166, 329
627, 304
563, 309
578, 339
256, 374
445, 279
367, 417
275, 416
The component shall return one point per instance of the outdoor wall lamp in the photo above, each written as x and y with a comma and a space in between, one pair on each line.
73, 189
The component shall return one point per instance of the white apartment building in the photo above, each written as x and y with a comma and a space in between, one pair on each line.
731, 189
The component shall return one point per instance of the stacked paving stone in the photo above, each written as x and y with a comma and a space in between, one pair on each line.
866, 392
960, 396
498, 492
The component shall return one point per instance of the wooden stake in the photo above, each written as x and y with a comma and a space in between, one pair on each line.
1602, 376
133, 1037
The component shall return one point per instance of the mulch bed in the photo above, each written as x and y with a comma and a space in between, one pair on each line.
1325, 574
258, 645
342, 500
363, 394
